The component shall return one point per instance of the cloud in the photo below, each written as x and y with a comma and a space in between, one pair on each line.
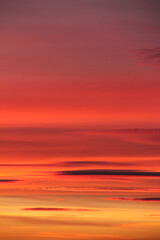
75, 164
41, 133
8, 180
109, 172
91, 190
97, 163
58, 209
80, 236
151, 55
52, 221
156, 199
29, 165
155, 215
124, 5
69, 164
60, 222
39, 143
152, 199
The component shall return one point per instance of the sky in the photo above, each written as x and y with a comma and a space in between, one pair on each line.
79, 119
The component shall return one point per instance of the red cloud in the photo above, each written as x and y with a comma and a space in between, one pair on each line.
153, 199
58, 209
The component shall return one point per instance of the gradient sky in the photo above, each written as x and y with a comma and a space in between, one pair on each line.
79, 119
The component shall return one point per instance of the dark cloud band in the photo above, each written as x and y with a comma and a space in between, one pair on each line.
152, 199
109, 172
8, 180
58, 209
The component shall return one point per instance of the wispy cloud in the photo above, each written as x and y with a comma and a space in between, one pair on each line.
96, 163
152, 199
69, 222
70, 164
85, 236
91, 190
8, 180
155, 215
75, 164
151, 55
60, 222
77, 142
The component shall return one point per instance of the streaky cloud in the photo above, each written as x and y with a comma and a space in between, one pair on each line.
99, 163
84, 163
58, 209
8, 180
151, 199
151, 55
59, 222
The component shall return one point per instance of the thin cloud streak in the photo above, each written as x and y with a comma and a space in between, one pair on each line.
60, 222
58, 209
93, 189
42, 143
75, 164
9, 180
151, 55
152, 199
71, 164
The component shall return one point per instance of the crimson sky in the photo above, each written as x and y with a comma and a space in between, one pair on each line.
79, 119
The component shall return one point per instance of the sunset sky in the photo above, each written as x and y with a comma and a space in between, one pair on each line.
80, 119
